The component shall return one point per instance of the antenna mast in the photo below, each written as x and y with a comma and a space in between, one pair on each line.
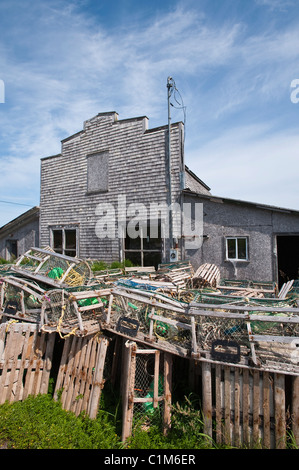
169, 92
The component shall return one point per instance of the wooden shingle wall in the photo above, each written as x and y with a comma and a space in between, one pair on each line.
137, 169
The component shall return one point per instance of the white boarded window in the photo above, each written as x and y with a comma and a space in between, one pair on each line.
98, 172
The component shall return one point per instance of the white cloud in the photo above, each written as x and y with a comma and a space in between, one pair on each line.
281, 5
251, 162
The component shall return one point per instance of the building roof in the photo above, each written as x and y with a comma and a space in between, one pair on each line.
22, 219
257, 205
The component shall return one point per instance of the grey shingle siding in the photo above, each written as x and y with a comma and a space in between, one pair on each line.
136, 169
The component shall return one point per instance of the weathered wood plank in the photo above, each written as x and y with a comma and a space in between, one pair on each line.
295, 409
207, 398
97, 384
280, 417
237, 405
218, 405
246, 431
266, 411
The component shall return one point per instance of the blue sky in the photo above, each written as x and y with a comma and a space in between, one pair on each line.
233, 62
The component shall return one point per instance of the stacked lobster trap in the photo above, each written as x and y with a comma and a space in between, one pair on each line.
51, 268
152, 317
20, 299
74, 310
263, 333
37, 289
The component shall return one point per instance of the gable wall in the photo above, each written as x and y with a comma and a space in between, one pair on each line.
136, 169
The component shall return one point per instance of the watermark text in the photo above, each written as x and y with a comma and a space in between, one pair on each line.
295, 93
151, 221
2, 91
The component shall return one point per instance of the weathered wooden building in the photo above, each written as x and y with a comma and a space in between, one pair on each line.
18, 235
115, 172
107, 173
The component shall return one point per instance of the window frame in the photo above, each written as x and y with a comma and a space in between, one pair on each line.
143, 250
236, 238
63, 229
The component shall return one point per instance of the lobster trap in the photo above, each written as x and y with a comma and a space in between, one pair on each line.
20, 299
146, 389
151, 316
265, 337
52, 268
70, 311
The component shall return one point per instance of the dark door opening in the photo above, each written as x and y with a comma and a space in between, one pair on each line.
12, 249
287, 257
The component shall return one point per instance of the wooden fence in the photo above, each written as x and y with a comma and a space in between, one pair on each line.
25, 361
248, 407
80, 377
242, 406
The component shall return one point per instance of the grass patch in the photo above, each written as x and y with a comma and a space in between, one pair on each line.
41, 423
102, 265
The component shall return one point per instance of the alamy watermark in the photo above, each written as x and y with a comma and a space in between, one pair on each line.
295, 93
139, 220
2, 91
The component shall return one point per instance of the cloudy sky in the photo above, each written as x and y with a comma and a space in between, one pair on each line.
235, 64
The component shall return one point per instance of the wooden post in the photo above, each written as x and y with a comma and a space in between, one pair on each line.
266, 410
156, 378
227, 405
256, 407
237, 434
295, 409
167, 391
207, 397
280, 418
218, 394
246, 407
128, 388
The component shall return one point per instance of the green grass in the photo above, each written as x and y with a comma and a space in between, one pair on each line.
4, 261
41, 423
102, 265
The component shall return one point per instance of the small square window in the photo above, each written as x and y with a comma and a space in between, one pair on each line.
237, 248
64, 241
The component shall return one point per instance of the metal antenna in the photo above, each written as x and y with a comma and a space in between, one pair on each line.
169, 91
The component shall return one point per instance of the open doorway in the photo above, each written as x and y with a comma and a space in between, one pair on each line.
287, 257
11, 249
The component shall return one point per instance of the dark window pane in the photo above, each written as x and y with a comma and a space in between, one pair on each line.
231, 248
133, 243
152, 259
70, 239
242, 248
134, 257
57, 241
153, 240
